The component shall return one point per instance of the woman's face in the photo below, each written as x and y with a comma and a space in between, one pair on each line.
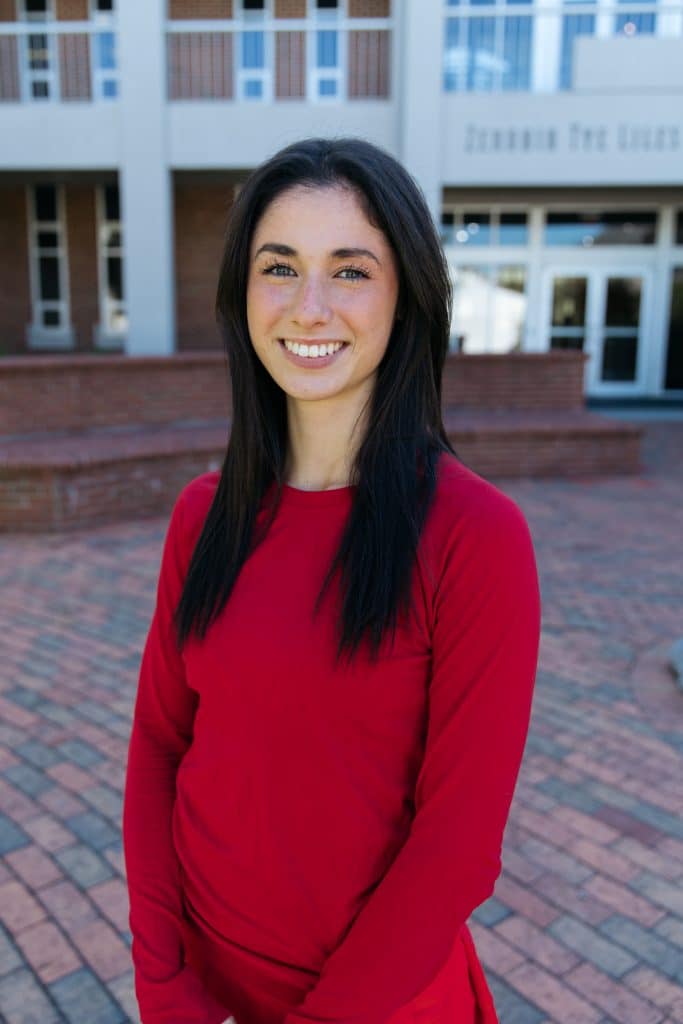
320, 274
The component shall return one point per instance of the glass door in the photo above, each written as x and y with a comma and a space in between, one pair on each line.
600, 311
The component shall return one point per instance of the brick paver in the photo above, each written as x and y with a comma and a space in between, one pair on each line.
586, 922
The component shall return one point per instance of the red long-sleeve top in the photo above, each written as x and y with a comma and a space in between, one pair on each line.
304, 843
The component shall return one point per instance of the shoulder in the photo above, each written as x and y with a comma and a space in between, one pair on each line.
463, 497
191, 508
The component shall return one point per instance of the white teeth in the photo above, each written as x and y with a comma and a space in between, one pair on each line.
312, 351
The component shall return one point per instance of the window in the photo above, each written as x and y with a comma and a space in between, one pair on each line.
573, 25
489, 308
673, 374
613, 228
254, 61
326, 78
488, 51
462, 226
47, 250
104, 50
38, 53
640, 22
679, 229
113, 318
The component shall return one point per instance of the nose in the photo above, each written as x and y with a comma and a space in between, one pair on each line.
311, 305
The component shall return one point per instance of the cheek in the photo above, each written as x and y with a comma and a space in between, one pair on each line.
263, 305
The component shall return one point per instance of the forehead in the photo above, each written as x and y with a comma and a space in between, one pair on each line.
322, 217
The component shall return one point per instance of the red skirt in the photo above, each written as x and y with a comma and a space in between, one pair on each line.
260, 991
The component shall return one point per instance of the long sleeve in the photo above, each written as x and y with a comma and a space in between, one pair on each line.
485, 629
168, 991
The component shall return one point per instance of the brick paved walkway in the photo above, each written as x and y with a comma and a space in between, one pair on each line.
586, 924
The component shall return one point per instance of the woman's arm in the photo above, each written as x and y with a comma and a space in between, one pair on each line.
168, 991
485, 638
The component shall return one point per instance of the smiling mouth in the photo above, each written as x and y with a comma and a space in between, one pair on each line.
313, 350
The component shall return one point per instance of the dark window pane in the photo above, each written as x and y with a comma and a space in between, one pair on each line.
477, 227
49, 277
36, 6
114, 286
674, 357
48, 239
253, 5
569, 302
114, 240
623, 302
621, 227
111, 202
513, 229
51, 318
40, 90
575, 342
619, 357
105, 5
38, 53
679, 229
327, 5
45, 202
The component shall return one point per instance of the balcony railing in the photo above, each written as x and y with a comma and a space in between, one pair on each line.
292, 59
57, 61
494, 46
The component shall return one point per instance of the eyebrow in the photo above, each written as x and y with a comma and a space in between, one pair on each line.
342, 254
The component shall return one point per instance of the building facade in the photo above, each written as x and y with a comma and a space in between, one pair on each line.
547, 136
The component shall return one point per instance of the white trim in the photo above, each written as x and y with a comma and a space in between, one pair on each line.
37, 334
104, 335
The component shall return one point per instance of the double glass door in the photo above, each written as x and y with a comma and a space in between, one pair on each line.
600, 311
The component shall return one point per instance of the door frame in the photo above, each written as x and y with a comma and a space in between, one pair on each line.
597, 275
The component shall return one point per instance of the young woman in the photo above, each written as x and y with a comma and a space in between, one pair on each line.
336, 687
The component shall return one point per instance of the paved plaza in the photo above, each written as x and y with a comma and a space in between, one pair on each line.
586, 923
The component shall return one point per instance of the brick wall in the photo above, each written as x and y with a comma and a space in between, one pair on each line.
74, 66
72, 10
290, 8
52, 393
15, 294
200, 65
81, 233
200, 9
369, 70
290, 65
519, 380
369, 8
200, 216
7, 10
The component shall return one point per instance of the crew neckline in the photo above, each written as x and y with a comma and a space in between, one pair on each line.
331, 496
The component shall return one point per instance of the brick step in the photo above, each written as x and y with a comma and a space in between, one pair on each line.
540, 443
70, 480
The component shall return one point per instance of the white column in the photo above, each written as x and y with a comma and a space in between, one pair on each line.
419, 78
145, 179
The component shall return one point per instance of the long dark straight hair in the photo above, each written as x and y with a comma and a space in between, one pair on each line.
395, 467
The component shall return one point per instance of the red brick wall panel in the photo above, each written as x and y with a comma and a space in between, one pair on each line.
67, 392
8, 10
200, 217
15, 287
9, 69
72, 10
290, 8
74, 66
81, 233
290, 65
518, 380
369, 8
200, 65
196, 9
369, 60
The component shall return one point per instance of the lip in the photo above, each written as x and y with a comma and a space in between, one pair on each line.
311, 364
